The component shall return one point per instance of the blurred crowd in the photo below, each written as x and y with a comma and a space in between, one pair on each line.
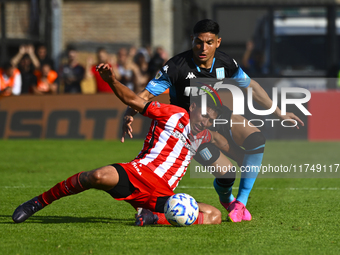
32, 71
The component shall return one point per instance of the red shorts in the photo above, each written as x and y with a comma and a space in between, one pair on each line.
150, 192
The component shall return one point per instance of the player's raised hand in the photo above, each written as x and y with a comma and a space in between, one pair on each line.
126, 127
106, 72
22, 49
30, 49
290, 117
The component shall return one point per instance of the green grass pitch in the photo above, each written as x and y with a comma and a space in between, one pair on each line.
295, 216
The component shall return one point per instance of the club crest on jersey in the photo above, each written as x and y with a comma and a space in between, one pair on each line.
190, 75
205, 154
158, 75
220, 73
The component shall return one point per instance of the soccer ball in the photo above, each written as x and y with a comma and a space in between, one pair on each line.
181, 210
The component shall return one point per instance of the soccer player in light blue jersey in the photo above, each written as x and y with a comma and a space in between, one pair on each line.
247, 142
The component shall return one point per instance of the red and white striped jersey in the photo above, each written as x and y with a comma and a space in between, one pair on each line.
169, 147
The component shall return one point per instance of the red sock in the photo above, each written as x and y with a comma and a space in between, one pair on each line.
199, 218
163, 221
65, 188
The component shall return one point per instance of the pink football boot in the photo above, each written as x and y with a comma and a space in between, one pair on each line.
237, 211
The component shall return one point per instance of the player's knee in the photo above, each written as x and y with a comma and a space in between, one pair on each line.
212, 215
216, 216
95, 177
98, 176
254, 140
207, 154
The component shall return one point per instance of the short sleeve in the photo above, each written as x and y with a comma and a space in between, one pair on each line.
241, 78
235, 72
159, 111
164, 79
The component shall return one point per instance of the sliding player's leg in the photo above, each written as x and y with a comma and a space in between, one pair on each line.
104, 178
208, 214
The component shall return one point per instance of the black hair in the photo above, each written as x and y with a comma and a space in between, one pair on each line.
45, 64
7, 65
99, 49
71, 48
206, 26
40, 45
25, 56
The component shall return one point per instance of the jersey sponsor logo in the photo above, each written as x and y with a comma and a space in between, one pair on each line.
179, 135
153, 83
235, 62
190, 148
165, 68
220, 73
158, 75
182, 139
190, 75
180, 125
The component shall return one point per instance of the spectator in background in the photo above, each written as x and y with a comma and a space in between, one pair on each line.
157, 61
146, 52
72, 73
28, 79
10, 80
102, 57
253, 60
127, 69
132, 53
47, 80
24, 62
142, 75
42, 56
29, 50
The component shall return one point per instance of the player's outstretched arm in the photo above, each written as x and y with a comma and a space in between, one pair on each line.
126, 95
128, 116
261, 97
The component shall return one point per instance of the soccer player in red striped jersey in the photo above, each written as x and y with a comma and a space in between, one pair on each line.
148, 180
